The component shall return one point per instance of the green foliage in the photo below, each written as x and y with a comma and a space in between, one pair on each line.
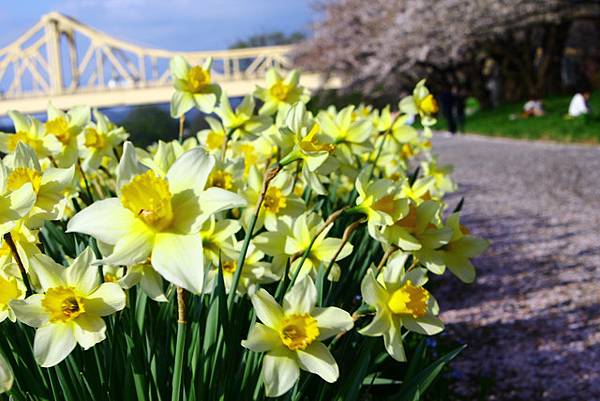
552, 126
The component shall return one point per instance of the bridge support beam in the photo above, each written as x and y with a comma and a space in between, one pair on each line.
54, 59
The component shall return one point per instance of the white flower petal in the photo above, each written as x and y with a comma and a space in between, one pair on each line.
89, 330
428, 325
81, 274
301, 298
50, 274
30, 310
190, 171
128, 166
317, 359
280, 372
178, 258
214, 200
267, 309
134, 247
332, 321
6, 375
393, 342
53, 343
106, 220
107, 299
262, 338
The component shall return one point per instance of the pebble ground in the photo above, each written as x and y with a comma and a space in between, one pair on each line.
532, 319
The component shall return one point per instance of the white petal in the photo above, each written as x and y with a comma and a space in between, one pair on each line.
372, 291
261, 338
106, 220
128, 166
317, 359
50, 274
178, 258
81, 274
301, 298
214, 200
332, 321
152, 285
89, 330
107, 299
428, 325
134, 247
6, 375
393, 343
190, 171
53, 343
267, 309
379, 325
280, 372
30, 310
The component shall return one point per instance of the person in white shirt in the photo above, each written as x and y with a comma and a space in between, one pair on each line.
579, 104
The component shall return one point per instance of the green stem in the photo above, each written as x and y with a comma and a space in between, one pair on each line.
85, 180
180, 345
268, 177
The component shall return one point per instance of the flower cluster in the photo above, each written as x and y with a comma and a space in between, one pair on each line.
293, 211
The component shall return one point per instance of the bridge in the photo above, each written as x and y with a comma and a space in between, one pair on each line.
69, 63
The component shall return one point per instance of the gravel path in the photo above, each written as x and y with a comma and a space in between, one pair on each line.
532, 319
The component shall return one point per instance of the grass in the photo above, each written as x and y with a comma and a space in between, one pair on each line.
552, 126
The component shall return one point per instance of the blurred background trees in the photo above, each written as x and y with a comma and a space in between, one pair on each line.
497, 50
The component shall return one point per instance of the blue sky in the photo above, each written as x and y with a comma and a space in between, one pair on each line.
168, 24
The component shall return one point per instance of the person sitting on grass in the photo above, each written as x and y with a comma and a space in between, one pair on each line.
579, 105
533, 108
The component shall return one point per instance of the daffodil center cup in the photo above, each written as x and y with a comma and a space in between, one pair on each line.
428, 105
221, 179
274, 200
63, 304
9, 290
149, 198
409, 300
24, 175
298, 331
94, 139
197, 78
59, 127
280, 90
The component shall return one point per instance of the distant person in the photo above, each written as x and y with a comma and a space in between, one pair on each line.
579, 105
460, 106
533, 108
447, 100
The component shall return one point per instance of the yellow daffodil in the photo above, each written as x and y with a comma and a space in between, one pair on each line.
50, 186
419, 190
280, 91
193, 87
6, 375
66, 127
142, 274
255, 271
11, 288
98, 141
214, 137
218, 238
380, 200
292, 237
463, 246
292, 335
342, 129
400, 301
158, 216
442, 180
70, 309
242, 121
29, 131
422, 103
26, 241
279, 200
15, 203
420, 231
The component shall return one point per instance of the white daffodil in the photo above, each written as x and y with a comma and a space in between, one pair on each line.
66, 127
6, 375
49, 186
193, 87
11, 288
30, 131
349, 134
98, 140
400, 301
213, 138
158, 216
218, 238
70, 309
291, 335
